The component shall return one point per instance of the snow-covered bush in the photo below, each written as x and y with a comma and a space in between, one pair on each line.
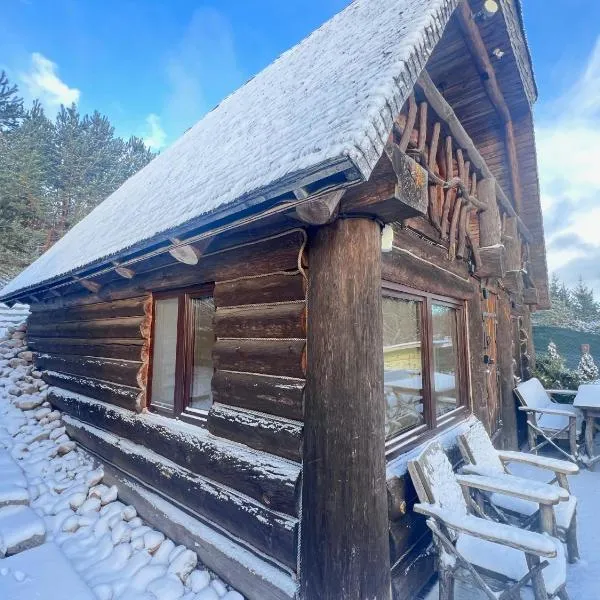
551, 370
587, 371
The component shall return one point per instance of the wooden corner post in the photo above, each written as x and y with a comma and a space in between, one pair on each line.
344, 547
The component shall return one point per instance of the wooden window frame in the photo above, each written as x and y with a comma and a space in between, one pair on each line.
434, 424
184, 356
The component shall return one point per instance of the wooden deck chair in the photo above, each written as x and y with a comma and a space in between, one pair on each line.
500, 559
482, 458
548, 419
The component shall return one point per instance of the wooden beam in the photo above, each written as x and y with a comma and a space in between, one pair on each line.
344, 543
445, 112
397, 190
124, 272
320, 210
531, 296
91, 286
491, 260
479, 52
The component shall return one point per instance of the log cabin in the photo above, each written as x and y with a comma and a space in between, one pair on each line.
333, 267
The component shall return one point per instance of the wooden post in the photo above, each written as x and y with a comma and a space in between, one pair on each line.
344, 531
508, 407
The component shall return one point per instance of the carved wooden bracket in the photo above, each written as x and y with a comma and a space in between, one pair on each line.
491, 261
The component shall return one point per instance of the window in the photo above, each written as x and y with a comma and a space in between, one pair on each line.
182, 344
424, 354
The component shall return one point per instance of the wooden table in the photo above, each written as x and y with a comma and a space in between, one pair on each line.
588, 401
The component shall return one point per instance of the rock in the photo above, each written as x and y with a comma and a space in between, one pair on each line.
219, 587
207, 594
66, 447
41, 413
26, 355
129, 513
166, 588
94, 477
16, 362
91, 504
233, 595
152, 540
13, 390
37, 374
28, 402
184, 564
198, 580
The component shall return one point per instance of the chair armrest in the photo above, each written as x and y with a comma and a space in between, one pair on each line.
543, 462
541, 493
499, 533
549, 411
563, 392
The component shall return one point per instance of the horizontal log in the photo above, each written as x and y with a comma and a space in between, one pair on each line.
108, 369
129, 307
320, 210
112, 393
491, 262
401, 266
262, 477
260, 579
268, 531
269, 357
281, 437
260, 290
263, 393
110, 348
265, 321
121, 327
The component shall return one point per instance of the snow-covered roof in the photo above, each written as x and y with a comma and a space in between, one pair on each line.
326, 105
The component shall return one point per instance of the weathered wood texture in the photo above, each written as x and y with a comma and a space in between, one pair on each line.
275, 435
264, 321
109, 348
260, 476
266, 530
277, 287
259, 579
281, 396
344, 547
112, 393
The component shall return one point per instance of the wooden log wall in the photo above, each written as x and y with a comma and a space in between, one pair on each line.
98, 350
243, 469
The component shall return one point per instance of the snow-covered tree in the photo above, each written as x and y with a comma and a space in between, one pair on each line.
587, 371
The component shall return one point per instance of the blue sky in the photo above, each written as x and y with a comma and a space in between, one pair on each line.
155, 67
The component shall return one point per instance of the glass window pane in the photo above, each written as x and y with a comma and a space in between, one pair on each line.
445, 362
203, 310
165, 350
403, 364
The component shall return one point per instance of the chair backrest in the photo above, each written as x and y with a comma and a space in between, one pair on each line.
532, 394
434, 480
477, 449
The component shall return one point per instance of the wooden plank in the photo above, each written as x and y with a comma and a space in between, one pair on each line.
121, 327
345, 542
227, 558
119, 395
129, 307
117, 371
263, 477
279, 396
266, 321
269, 357
271, 532
281, 437
276, 287
131, 350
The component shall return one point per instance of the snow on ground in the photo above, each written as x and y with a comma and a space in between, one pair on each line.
51, 493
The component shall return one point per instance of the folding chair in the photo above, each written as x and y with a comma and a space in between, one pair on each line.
548, 419
482, 458
500, 559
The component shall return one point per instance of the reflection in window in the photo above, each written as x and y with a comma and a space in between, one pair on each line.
445, 346
164, 354
403, 364
203, 310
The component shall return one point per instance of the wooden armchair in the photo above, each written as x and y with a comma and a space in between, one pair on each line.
500, 559
482, 458
548, 419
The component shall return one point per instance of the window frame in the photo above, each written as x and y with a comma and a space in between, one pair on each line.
404, 441
184, 355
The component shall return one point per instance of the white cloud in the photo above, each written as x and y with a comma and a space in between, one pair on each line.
42, 82
156, 136
568, 144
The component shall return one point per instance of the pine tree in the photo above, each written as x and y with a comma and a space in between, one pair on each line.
554, 286
587, 371
586, 308
11, 105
